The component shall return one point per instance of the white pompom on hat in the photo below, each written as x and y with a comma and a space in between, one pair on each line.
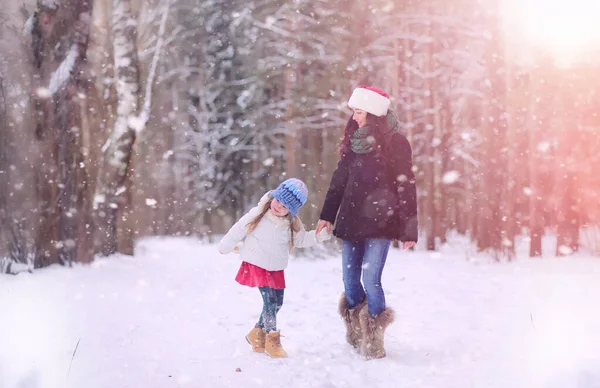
371, 100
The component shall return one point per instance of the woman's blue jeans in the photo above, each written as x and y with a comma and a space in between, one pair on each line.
367, 258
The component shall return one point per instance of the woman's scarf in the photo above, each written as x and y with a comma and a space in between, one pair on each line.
363, 142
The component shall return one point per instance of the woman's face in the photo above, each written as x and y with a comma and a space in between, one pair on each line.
360, 116
278, 209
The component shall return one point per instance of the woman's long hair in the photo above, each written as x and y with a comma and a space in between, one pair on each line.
379, 130
295, 223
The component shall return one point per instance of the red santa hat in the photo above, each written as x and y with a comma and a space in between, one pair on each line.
371, 100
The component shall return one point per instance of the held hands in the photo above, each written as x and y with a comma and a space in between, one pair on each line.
322, 235
323, 224
407, 244
323, 231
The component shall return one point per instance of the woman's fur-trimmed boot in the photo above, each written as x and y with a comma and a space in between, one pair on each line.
256, 339
273, 345
351, 320
373, 330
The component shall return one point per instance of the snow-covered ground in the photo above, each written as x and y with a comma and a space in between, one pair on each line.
172, 316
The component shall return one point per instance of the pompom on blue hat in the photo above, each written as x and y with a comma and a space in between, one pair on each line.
292, 193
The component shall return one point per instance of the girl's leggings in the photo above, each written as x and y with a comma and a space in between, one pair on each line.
272, 302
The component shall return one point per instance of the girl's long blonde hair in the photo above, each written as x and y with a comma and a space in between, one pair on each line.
295, 222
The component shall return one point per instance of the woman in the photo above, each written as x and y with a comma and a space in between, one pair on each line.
373, 188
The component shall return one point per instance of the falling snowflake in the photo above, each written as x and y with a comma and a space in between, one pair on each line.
565, 250
543, 146
43, 92
450, 177
389, 7
168, 154
51, 4
136, 122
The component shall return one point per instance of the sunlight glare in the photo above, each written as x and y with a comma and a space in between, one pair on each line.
560, 27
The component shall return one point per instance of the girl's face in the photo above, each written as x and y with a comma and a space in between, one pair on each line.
278, 209
360, 116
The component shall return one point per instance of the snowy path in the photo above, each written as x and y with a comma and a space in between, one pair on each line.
173, 317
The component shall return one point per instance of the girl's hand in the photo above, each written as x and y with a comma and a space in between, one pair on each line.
322, 235
407, 244
323, 224
237, 247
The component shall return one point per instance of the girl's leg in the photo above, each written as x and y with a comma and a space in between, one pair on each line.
352, 260
273, 341
268, 317
279, 300
376, 251
261, 319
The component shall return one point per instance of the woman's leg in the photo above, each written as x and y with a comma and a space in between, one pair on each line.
352, 260
376, 251
374, 319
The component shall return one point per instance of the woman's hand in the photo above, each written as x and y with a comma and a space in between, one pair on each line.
407, 244
323, 224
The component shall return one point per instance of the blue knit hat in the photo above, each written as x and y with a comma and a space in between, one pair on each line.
292, 194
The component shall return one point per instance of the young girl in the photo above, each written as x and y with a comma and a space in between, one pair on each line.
269, 231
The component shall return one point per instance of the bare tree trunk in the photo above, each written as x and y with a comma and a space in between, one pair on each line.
509, 230
5, 157
410, 117
430, 128
445, 199
59, 55
567, 211
292, 146
314, 174
568, 218
491, 220
536, 226
108, 201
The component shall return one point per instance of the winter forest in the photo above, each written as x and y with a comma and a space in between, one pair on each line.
135, 133
122, 119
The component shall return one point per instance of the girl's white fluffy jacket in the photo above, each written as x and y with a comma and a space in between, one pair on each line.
268, 245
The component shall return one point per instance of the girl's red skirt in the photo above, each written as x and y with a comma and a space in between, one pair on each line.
253, 276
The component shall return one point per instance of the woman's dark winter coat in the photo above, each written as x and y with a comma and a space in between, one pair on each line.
375, 194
